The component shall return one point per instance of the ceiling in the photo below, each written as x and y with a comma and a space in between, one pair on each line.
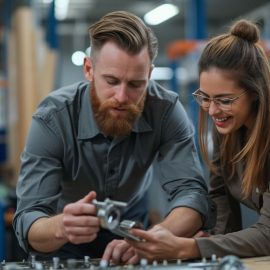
82, 13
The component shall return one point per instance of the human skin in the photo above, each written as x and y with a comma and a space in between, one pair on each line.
216, 83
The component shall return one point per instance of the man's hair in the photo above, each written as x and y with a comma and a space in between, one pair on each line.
126, 30
239, 55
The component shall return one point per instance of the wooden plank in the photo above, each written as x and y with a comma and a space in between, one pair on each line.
13, 117
261, 263
26, 69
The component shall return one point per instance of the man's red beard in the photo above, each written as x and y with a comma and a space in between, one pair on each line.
111, 124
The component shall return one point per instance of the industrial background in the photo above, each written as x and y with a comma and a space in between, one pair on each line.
43, 42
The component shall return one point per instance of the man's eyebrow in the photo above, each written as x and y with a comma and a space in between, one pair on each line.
138, 81
109, 76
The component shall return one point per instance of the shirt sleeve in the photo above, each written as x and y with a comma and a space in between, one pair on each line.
179, 166
38, 187
251, 242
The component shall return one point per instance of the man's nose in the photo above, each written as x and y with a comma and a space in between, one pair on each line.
122, 94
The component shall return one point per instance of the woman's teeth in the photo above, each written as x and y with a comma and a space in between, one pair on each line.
221, 119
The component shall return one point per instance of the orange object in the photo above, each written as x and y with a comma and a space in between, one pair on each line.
8, 217
180, 48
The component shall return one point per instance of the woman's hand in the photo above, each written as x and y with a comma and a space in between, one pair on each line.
159, 243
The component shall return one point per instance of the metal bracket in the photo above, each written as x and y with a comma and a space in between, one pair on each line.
109, 212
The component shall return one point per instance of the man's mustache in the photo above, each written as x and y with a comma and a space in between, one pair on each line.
114, 104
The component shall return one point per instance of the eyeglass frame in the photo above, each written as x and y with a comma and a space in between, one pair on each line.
216, 100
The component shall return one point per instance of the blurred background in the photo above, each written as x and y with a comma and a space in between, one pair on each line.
42, 46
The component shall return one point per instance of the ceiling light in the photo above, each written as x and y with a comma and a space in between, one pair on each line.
161, 14
61, 9
77, 58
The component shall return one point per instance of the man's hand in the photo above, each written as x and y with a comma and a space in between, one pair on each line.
120, 252
80, 223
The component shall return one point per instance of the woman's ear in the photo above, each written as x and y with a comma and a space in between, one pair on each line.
88, 68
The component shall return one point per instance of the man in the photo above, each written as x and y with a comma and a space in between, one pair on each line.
99, 139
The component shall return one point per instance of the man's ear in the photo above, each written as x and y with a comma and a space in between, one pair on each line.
88, 68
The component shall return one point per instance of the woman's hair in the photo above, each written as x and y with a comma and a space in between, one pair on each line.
125, 29
239, 55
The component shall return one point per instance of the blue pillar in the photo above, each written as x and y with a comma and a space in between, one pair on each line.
5, 16
174, 80
196, 30
196, 19
3, 84
2, 232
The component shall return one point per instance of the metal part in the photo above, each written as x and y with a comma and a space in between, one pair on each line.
231, 262
109, 212
226, 263
76, 264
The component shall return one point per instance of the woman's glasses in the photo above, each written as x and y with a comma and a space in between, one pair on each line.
224, 103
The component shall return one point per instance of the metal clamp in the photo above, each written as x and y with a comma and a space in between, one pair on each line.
109, 213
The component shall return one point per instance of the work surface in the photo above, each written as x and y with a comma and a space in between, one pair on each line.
260, 263
225, 263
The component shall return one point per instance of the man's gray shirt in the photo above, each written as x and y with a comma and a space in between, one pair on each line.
66, 156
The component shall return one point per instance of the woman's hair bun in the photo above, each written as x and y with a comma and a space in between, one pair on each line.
246, 30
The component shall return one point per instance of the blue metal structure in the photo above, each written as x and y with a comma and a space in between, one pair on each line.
2, 231
51, 29
195, 29
196, 19
5, 20
174, 81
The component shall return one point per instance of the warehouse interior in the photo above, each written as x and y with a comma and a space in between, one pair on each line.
39, 42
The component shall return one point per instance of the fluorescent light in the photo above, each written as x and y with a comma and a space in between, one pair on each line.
161, 14
166, 74
61, 9
161, 73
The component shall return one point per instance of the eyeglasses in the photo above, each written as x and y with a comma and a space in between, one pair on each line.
224, 103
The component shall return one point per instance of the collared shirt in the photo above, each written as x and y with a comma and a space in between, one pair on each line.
66, 156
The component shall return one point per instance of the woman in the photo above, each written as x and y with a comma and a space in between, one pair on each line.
235, 92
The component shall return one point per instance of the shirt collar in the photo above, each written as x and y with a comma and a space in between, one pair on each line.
87, 123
